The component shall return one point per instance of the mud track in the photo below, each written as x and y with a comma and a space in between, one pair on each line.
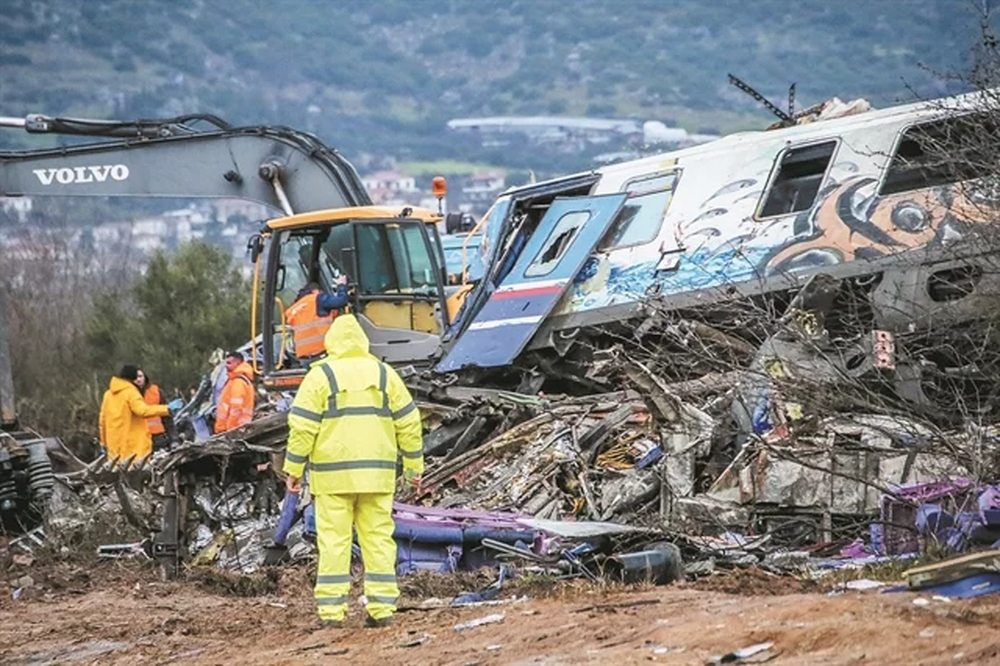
118, 615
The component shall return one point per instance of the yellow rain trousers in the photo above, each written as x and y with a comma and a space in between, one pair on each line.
351, 420
372, 514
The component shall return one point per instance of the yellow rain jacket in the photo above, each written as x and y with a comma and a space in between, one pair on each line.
124, 432
351, 418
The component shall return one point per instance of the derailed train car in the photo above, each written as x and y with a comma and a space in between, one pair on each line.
890, 205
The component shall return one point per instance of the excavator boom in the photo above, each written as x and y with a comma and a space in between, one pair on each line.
277, 166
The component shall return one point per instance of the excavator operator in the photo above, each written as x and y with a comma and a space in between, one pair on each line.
310, 317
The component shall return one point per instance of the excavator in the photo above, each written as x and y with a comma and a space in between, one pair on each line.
328, 225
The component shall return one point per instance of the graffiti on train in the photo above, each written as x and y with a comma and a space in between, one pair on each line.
722, 244
852, 223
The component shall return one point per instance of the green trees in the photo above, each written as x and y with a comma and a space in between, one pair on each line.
184, 307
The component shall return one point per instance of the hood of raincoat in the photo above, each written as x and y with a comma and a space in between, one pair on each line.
118, 385
242, 370
346, 338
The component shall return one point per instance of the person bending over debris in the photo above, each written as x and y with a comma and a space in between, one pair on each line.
351, 418
236, 402
123, 430
161, 428
311, 315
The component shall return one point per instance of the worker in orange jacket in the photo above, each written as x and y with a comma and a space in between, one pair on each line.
311, 314
236, 401
160, 427
123, 430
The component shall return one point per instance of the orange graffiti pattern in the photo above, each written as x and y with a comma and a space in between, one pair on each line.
890, 224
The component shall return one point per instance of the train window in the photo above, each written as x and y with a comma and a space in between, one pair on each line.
952, 284
799, 176
560, 238
641, 216
941, 152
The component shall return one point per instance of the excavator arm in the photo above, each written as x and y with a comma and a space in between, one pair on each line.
188, 156
177, 157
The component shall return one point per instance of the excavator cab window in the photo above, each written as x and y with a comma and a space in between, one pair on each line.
399, 276
294, 268
335, 257
393, 267
296, 259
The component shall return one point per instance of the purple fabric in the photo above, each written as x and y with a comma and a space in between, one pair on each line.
432, 538
458, 516
989, 500
953, 513
856, 549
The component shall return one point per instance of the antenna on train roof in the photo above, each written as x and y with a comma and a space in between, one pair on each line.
786, 119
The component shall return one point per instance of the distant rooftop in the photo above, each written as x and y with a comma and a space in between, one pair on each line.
544, 122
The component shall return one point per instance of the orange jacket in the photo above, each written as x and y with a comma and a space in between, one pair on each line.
236, 400
124, 432
152, 397
308, 328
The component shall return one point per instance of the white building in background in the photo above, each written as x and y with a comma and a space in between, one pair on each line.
151, 234
392, 181
392, 188
574, 133
549, 129
18, 207
255, 212
479, 189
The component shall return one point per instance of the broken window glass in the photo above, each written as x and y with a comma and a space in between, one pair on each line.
641, 217
800, 174
953, 284
294, 270
942, 152
558, 241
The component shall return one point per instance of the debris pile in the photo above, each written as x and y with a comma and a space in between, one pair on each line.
799, 442
579, 458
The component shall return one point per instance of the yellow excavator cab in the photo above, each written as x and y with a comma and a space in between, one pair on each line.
394, 262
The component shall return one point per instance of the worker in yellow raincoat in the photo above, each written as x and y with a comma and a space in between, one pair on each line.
351, 419
123, 429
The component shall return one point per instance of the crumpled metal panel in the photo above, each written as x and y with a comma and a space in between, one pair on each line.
819, 486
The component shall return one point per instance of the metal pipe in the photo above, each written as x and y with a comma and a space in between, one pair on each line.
271, 172
10, 121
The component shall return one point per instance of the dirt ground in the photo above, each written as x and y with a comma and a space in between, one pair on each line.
121, 614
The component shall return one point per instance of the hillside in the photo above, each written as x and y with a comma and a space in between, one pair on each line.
384, 77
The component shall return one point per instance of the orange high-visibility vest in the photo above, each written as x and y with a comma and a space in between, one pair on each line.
236, 402
152, 397
308, 328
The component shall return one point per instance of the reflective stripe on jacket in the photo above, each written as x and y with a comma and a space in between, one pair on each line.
236, 402
152, 397
351, 419
308, 328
